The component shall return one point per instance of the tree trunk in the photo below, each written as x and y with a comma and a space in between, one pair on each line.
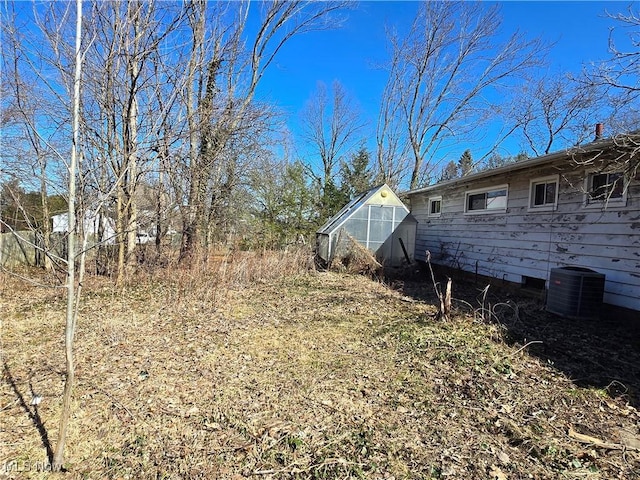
121, 227
161, 202
131, 142
58, 456
46, 218
190, 219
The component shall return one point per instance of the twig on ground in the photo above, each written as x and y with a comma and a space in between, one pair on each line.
444, 307
115, 401
525, 346
596, 442
483, 310
337, 461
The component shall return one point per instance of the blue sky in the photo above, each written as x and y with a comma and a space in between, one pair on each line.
353, 54
350, 54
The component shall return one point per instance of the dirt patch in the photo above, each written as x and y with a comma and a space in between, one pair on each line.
310, 376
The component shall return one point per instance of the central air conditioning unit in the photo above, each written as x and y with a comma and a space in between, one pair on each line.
575, 292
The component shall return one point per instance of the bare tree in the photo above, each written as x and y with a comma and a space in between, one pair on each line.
185, 116
444, 72
616, 158
331, 124
622, 70
619, 76
34, 136
34, 126
223, 78
392, 151
556, 109
72, 289
127, 105
28, 116
626, 154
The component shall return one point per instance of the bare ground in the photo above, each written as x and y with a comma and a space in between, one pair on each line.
316, 375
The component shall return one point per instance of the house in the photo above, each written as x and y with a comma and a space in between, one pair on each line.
93, 226
573, 208
378, 220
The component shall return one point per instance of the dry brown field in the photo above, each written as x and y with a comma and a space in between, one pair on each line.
263, 368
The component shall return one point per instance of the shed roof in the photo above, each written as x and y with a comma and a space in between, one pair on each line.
380, 195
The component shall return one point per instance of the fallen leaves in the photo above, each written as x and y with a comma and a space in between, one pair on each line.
496, 473
322, 375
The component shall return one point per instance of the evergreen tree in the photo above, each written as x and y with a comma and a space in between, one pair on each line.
285, 208
332, 199
21, 210
356, 176
449, 172
465, 164
496, 160
298, 215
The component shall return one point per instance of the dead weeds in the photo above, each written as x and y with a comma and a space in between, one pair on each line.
311, 375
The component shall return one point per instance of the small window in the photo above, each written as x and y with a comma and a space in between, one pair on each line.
488, 200
604, 188
435, 206
543, 194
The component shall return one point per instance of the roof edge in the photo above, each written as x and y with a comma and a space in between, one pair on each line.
531, 162
360, 197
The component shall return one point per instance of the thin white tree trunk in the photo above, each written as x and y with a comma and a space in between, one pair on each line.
58, 456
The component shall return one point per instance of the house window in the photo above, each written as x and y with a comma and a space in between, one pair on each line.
435, 206
543, 194
487, 200
603, 188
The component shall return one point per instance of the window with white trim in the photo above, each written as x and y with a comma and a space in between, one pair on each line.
605, 188
543, 193
435, 206
486, 200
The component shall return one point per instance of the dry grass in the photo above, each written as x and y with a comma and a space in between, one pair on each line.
259, 368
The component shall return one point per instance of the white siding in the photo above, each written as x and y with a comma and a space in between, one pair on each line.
516, 243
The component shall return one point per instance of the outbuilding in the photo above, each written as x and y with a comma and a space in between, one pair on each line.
377, 220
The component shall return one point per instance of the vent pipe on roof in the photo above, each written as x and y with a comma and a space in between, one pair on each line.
599, 129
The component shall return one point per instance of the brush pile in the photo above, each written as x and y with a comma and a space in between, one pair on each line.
351, 257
